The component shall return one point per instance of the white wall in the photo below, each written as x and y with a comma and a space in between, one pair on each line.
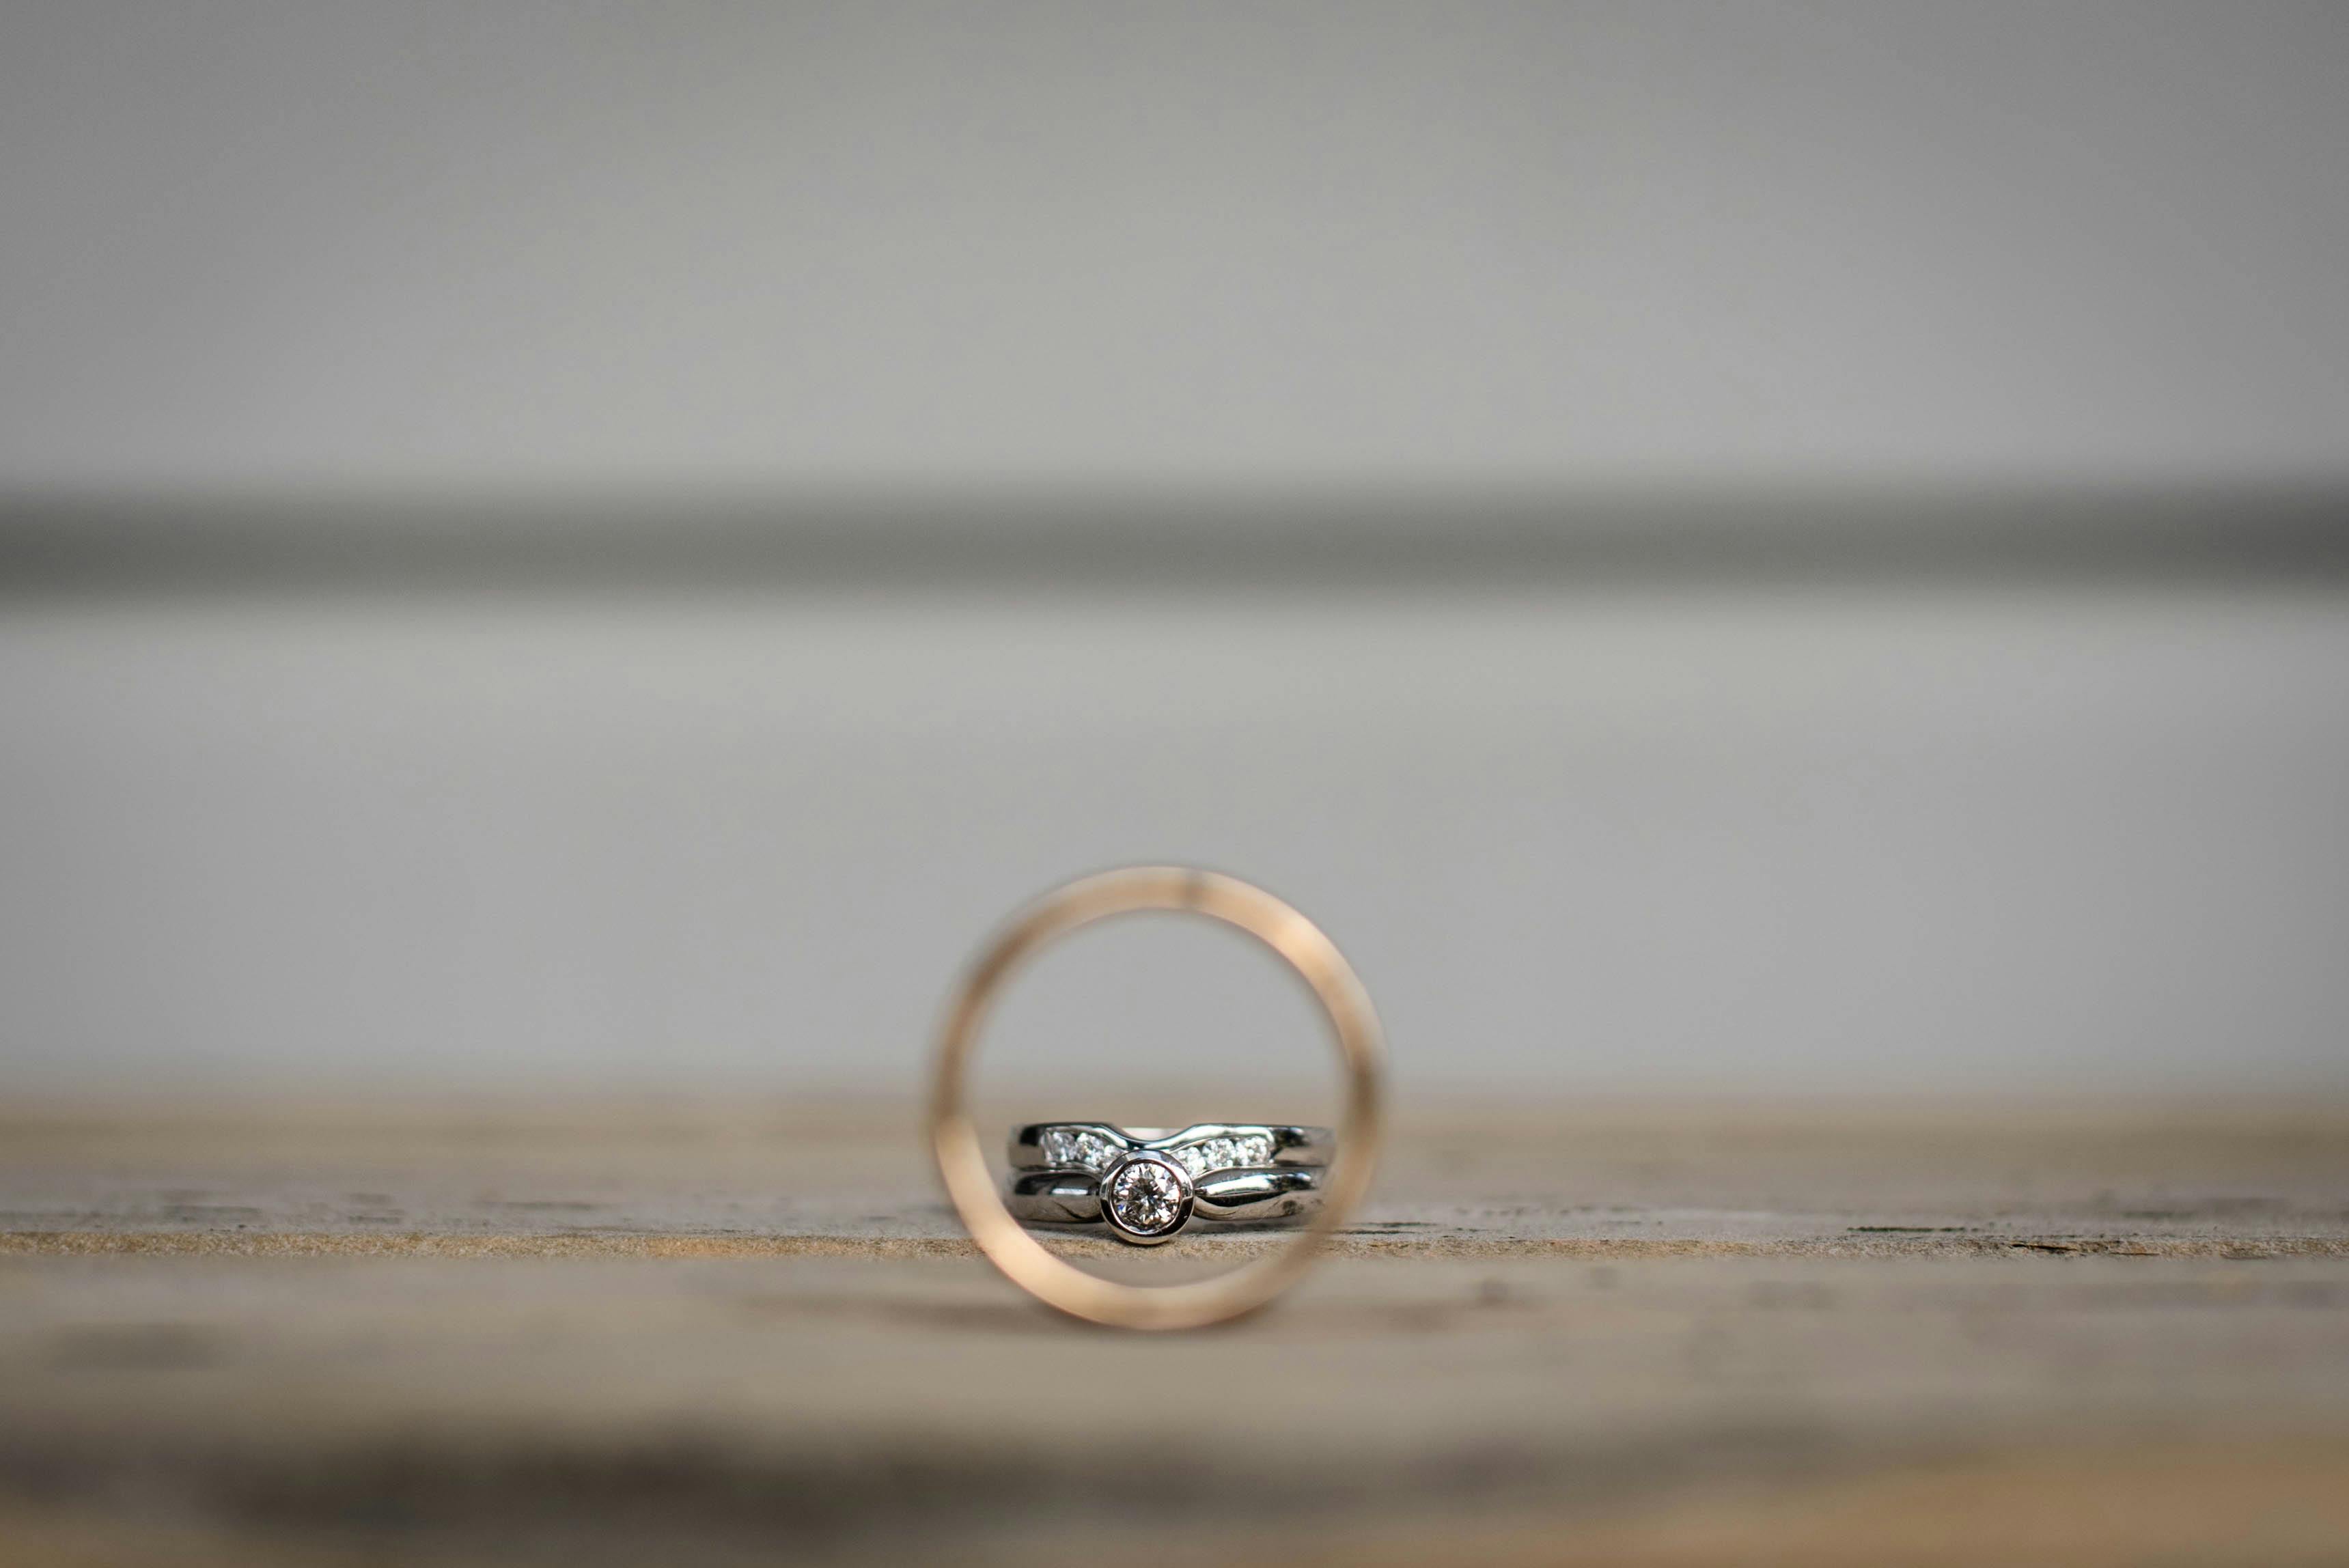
1787, 840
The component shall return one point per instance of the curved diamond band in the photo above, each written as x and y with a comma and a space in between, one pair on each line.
1146, 1183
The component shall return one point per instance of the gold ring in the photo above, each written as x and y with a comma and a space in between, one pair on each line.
971, 1184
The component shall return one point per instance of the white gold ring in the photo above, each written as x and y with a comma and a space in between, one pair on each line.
1148, 1184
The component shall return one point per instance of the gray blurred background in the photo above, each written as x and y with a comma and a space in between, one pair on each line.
1741, 549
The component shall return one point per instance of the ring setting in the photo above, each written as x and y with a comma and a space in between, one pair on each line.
1146, 1198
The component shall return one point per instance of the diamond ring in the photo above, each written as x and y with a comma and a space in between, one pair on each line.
1147, 1183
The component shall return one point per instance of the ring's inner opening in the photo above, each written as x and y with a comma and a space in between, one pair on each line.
1154, 1020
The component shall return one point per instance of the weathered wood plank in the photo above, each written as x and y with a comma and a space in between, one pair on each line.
1642, 1335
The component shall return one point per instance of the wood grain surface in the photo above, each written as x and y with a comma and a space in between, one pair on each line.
1635, 1333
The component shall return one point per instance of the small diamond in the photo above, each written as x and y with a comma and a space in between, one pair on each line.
1145, 1196
1243, 1152
1064, 1145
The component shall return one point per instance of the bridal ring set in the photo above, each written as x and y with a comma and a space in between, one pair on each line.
1146, 1184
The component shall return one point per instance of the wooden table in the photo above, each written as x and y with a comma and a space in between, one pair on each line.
1634, 1333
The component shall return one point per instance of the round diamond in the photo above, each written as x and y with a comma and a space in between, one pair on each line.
1075, 1146
1146, 1196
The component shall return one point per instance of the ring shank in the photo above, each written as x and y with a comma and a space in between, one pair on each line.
1230, 1198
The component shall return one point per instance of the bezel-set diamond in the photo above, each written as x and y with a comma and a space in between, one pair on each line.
1146, 1197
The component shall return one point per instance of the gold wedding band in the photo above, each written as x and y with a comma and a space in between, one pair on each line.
970, 1183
